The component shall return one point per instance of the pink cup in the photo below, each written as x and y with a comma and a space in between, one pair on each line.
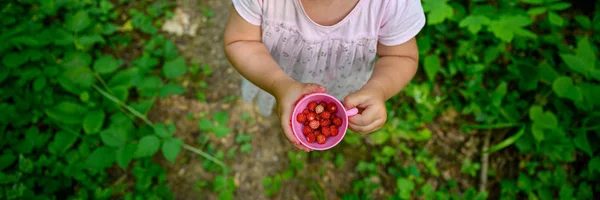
341, 113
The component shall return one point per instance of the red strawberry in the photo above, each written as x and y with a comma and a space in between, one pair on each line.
314, 124
307, 130
306, 123
306, 111
326, 114
312, 106
301, 118
331, 107
323, 103
317, 132
321, 139
319, 109
325, 122
326, 131
333, 130
311, 116
337, 121
310, 138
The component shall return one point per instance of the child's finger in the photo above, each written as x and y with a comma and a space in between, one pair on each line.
365, 118
354, 100
376, 125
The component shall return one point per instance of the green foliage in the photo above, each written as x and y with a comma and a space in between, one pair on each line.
65, 95
526, 71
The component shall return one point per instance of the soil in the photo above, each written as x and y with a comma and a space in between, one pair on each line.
269, 155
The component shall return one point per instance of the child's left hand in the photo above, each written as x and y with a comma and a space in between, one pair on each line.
372, 104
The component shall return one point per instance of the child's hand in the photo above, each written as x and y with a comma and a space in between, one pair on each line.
288, 92
374, 113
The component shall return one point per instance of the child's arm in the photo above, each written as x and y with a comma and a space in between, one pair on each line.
396, 66
250, 57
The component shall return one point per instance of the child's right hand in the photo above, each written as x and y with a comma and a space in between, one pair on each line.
287, 93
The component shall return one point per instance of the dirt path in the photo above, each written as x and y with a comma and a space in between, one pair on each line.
269, 147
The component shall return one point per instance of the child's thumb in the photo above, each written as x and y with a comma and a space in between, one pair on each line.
353, 100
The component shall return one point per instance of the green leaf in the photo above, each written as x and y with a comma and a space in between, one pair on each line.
101, 158
559, 6
507, 142
432, 66
146, 62
149, 86
14, 60
171, 148
6, 159
242, 138
543, 119
246, 148
205, 125
67, 112
584, 21
379, 137
594, 165
39, 83
506, 27
126, 78
499, 94
174, 68
585, 52
93, 121
80, 77
405, 188
555, 19
171, 89
581, 141
106, 64
563, 87
547, 73
161, 130
77, 22
87, 41
25, 164
62, 141
474, 23
125, 155
114, 136
222, 118
221, 131
147, 146
537, 11
576, 64
437, 11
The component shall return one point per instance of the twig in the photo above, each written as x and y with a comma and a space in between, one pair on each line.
485, 162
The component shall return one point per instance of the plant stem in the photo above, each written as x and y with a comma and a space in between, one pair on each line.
139, 115
485, 162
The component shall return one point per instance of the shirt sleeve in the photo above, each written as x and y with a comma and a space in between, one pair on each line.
250, 10
402, 20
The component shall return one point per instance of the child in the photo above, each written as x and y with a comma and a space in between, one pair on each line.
289, 48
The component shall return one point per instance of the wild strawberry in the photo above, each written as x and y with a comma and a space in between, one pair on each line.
306, 111
317, 132
301, 118
312, 106
314, 124
326, 114
337, 121
325, 122
307, 130
325, 131
331, 107
311, 116
321, 139
323, 103
306, 123
310, 138
333, 130
319, 109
